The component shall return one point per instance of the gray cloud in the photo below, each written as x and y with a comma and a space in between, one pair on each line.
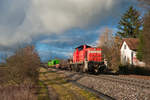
61, 24
21, 20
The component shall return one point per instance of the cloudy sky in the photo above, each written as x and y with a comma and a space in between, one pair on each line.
56, 27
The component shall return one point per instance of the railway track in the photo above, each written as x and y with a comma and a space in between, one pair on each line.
145, 84
117, 87
97, 93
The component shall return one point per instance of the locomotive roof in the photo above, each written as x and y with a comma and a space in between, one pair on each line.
81, 47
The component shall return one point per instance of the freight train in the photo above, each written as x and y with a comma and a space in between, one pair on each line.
85, 59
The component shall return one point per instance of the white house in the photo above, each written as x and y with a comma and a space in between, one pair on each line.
128, 52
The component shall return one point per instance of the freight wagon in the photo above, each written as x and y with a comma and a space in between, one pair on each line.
87, 59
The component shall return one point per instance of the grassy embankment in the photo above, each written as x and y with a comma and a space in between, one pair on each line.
54, 86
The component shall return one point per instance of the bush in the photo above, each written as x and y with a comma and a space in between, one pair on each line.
23, 66
17, 93
128, 69
19, 75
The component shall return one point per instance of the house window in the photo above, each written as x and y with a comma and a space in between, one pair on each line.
124, 46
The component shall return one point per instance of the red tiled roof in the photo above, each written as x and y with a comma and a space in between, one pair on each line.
132, 43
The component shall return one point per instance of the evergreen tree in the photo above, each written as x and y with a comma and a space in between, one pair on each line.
140, 50
130, 24
146, 39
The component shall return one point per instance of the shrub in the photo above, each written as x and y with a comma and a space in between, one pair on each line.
128, 69
23, 65
123, 69
19, 76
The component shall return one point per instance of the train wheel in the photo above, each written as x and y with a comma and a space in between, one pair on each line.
77, 68
102, 68
91, 69
73, 68
81, 68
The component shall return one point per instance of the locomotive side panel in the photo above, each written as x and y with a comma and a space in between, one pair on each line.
95, 54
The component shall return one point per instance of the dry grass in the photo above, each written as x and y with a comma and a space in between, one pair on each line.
17, 93
63, 89
20, 75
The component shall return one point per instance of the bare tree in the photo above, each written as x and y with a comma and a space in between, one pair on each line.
24, 65
110, 46
106, 38
20, 76
146, 32
146, 38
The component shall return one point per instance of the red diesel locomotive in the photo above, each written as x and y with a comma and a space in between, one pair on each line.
87, 59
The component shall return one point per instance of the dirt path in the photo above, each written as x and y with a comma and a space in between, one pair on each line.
53, 86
